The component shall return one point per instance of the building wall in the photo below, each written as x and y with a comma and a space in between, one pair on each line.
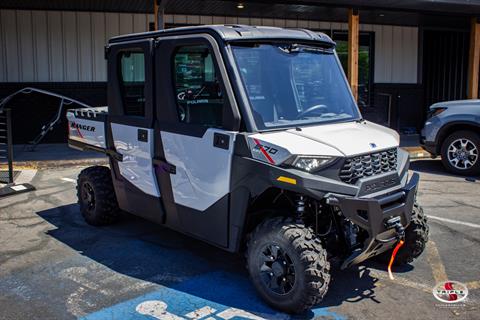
66, 46
396, 47
59, 46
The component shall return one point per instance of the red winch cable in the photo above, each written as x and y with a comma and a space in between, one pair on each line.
394, 253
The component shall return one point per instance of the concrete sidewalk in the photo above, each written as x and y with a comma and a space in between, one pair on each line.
54, 155
60, 155
411, 143
417, 152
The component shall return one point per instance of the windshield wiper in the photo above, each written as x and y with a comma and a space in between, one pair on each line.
296, 48
291, 48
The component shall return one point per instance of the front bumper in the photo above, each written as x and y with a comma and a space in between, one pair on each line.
428, 146
371, 214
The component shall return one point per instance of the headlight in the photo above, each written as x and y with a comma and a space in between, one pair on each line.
311, 163
435, 111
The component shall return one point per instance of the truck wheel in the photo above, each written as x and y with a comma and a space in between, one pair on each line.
288, 265
96, 196
461, 152
416, 238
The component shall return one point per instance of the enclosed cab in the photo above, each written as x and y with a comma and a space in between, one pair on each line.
249, 138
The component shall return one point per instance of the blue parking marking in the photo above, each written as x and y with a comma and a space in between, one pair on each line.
212, 296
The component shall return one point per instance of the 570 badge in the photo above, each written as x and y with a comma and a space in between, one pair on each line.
268, 149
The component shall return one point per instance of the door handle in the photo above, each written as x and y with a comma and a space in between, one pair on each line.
114, 154
221, 140
164, 165
142, 135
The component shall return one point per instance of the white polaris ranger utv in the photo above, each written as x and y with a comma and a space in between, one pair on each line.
249, 138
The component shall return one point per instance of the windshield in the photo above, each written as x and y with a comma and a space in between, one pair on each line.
291, 85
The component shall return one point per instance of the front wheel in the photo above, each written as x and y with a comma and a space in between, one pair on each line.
460, 153
416, 238
288, 265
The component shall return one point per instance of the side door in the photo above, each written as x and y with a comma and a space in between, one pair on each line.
198, 120
130, 128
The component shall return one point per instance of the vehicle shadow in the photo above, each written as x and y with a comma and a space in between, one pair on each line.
140, 249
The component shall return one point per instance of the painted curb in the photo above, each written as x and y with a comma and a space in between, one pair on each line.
417, 153
49, 164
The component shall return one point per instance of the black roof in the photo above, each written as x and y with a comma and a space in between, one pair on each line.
228, 7
234, 33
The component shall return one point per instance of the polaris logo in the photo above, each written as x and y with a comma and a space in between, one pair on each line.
372, 187
82, 126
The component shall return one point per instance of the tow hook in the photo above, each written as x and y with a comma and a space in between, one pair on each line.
393, 223
396, 223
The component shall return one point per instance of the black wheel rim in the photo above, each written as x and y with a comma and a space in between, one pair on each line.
88, 196
277, 270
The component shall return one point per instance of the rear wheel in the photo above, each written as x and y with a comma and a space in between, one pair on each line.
460, 153
288, 265
96, 196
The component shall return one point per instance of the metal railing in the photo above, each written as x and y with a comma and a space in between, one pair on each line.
6, 143
63, 101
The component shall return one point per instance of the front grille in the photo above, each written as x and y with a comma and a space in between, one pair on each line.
368, 165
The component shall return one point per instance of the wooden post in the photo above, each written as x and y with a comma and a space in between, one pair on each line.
155, 13
353, 28
474, 60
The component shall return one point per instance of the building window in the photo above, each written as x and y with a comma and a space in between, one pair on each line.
365, 67
198, 92
132, 82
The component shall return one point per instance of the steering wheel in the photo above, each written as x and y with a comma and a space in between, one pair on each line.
310, 110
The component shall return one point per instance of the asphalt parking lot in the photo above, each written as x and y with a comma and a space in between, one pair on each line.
54, 266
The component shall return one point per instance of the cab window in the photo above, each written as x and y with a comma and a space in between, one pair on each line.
132, 82
198, 94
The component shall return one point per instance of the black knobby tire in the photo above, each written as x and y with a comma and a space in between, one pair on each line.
306, 257
471, 136
96, 196
416, 238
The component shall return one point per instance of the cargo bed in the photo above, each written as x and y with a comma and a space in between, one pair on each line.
86, 128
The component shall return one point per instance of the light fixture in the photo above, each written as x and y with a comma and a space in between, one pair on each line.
381, 15
240, 5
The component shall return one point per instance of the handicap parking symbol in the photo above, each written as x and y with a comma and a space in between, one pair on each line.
211, 296
158, 310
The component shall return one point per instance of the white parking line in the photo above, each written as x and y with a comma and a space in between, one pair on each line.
26, 176
468, 224
435, 262
69, 180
